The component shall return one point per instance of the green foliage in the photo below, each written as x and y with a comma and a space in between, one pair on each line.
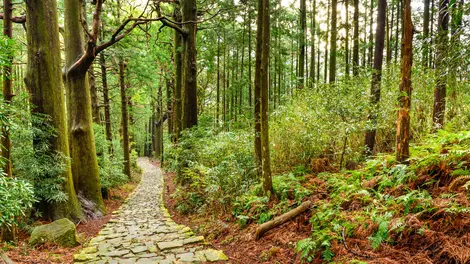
33, 159
17, 198
213, 168
111, 165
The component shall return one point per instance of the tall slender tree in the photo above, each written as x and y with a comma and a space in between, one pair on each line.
441, 66
124, 118
334, 34
403, 124
376, 75
355, 59
7, 87
303, 30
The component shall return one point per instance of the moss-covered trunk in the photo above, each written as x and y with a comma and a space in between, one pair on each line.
82, 141
190, 112
106, 101
7, 87
124, 119
177, 101
44, 81
257, 97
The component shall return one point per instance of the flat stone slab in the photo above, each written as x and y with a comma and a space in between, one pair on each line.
142, 231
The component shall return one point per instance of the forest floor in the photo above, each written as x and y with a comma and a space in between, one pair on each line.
276, 247
21, 252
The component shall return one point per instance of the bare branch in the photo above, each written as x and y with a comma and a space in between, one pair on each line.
18, 19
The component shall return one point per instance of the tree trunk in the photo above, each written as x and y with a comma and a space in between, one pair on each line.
441, 66
257, 101
334, 33
218, 83
82, 141
399, 18
425, 33
250, 92
346, 55
169, 98
356, 39
106, 101
189, 14
44, 82
264, 74
7, 87
371, 33
303, 30
403, 124
326, 42
177, 101
376, 76
124, 119
95, 107
312, 53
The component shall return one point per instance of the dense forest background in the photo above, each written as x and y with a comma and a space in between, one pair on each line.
360, 107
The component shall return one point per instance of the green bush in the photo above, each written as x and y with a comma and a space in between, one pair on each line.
17, 198
111, 165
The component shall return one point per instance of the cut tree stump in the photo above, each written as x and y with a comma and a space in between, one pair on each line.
277, 221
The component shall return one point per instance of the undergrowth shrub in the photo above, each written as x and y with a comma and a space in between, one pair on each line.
211, 167
111, 164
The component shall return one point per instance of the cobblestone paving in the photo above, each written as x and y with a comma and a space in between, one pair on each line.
142, 231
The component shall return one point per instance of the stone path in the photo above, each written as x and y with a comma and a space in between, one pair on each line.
142, 231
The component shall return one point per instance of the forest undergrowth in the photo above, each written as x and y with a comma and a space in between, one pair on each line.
382, 212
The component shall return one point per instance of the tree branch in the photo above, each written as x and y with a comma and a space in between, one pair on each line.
17, 19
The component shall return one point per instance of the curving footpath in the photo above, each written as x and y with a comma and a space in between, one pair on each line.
142, 231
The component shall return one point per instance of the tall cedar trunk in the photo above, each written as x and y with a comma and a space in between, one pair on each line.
106, 101
441, 66
257, 101
376, 75
124, 119
82, 141
403, 124
242, 67
455, 28
250, 92
356, 39
44, 82
178, 101
224, 92
334, 33
431, 35
425, 34
169, 100
189, 15
312, 53
303, 30
95, 108
7, 87
346, 55
218, 83
266, 159
397, 30
371, 33
390, 37
158, 132
7, 234
326, 42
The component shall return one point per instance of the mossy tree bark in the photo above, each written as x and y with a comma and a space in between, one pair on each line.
264, 81
376, 77
124, 119
257, 95
441, 66
82, 142
106, 100
312, 43
44, 81
334, 34
189, 16
7, 86
177, 101
403, 124
303, 30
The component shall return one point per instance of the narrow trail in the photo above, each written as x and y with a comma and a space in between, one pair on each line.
142, 231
